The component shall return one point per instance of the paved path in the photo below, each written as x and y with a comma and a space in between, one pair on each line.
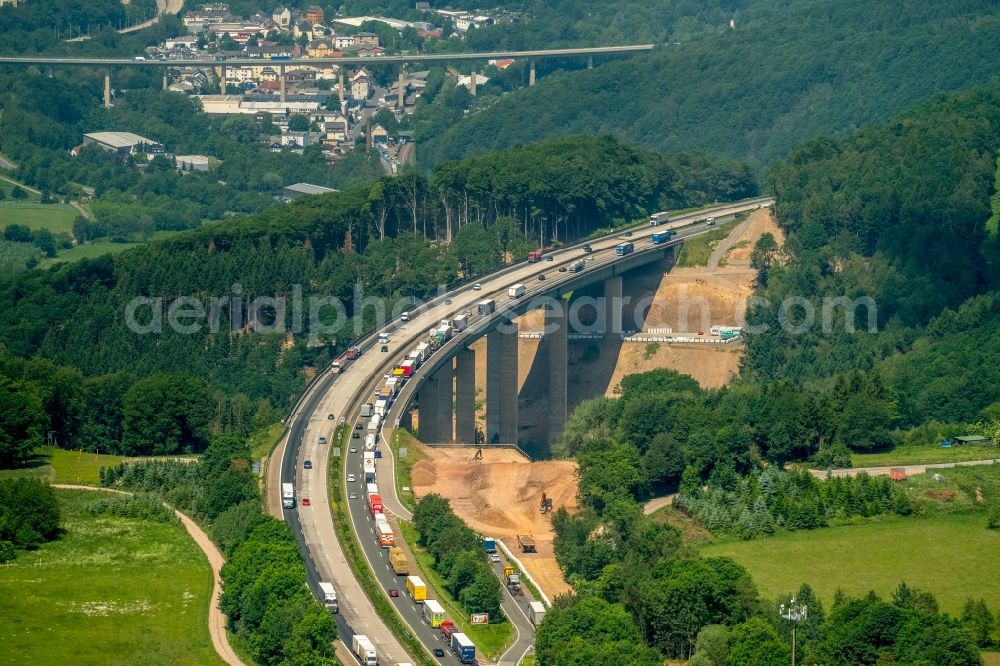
883, 470
216, 619
657, 503
21, 185
734, 236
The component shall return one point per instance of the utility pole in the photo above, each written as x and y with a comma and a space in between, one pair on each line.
794, 614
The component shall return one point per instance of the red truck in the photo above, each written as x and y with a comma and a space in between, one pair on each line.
353, 353
535, 256
375, 503
447, 629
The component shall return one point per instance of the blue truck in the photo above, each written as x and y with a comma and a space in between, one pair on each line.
490, 544
624, 248
662, 237
463, 648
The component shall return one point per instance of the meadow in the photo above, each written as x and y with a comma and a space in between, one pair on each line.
111, 590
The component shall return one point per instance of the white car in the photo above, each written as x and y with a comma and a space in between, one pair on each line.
351, 478
494, 557
477, 287
405, 316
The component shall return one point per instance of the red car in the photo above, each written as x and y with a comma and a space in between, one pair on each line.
305, 501
393, 592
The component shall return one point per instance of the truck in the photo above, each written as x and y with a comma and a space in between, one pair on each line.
385, 536
447, 628
517, 291
442, 334
423, 350
662, 237
657, 219
338, 365
486, 306
371, 489
463, 648
374, 423
382, 406
366, 410
490, 544
375, 504
397, 560
433, 613
535, 256
416, 589
526, 543
577, 266
393, 384
536, 611
288, 496
383, 337
406, 368
369, 471
352, 353
370, 442
329, 597
364, 650
624, 248
460, 322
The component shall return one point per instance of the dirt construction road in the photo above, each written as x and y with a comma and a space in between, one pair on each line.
216, 619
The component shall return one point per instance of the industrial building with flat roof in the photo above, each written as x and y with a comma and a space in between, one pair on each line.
124, 143
304, 189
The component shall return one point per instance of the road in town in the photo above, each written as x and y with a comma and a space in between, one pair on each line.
216, 619
342, 395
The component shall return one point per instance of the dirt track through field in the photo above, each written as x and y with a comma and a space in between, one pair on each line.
216, 619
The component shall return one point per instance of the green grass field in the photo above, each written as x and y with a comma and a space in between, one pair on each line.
110, 591
54, 217
953, 557
263, 441
696, 251
490, 639
403, 438
916, 455
62, 466
89, 251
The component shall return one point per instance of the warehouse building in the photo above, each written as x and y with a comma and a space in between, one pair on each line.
123, 143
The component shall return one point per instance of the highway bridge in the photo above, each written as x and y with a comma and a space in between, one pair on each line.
450, 367
221, 63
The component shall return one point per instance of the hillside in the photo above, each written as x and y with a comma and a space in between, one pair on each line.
790, 71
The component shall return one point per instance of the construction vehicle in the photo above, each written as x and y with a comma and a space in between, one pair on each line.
397, 560
512, 579
526, 543
545, 506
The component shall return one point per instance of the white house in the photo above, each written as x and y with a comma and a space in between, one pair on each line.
360, 84
282, 17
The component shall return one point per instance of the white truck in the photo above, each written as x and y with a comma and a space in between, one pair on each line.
536, 611
381, 407
370, 442
374, 423
364, 650
329, 597
288, 496
517, 291
366, 410
460, 322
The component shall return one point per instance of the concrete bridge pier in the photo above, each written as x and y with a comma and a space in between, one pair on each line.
531, 72
612, 307
107, 88
222, 80
340, 84
472, 83
166, 82
556, 337
445, 404
590, 62
427, 399
401, 99
281, 82
501, 386
465, 397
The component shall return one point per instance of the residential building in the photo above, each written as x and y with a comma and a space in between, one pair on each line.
181, 42
282, 17
379, 134
304, 189
192, 162
123, 143
319, 48
423, 6
302, 27
366, 39
12, 3
360, 85
369, 51
268, 52
341, 42
315, 14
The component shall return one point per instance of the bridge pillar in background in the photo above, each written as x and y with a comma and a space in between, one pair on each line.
166, 82
590, 62
107, 88
465, 397
501, 386
281, 83
340, 84
222, 80
531, 72
556, 337
612, 307
445, 404
472, 83
401, 98
428, 406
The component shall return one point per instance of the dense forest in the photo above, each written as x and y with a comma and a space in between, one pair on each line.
74, 367
789, 72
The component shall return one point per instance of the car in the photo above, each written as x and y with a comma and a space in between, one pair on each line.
548, 258
308, 464
710, 221
477, 287
351, 478
358, 426
330, 416
447, 301
438, 652
306, 502
628, 234
405, 316
587, 249
353, 450
322, 439
393, 592
355, 435
494, 557
385, 348
701, 332
562, 269
541, 277
352, 496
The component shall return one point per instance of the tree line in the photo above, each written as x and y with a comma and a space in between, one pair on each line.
29, 515
459, 557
